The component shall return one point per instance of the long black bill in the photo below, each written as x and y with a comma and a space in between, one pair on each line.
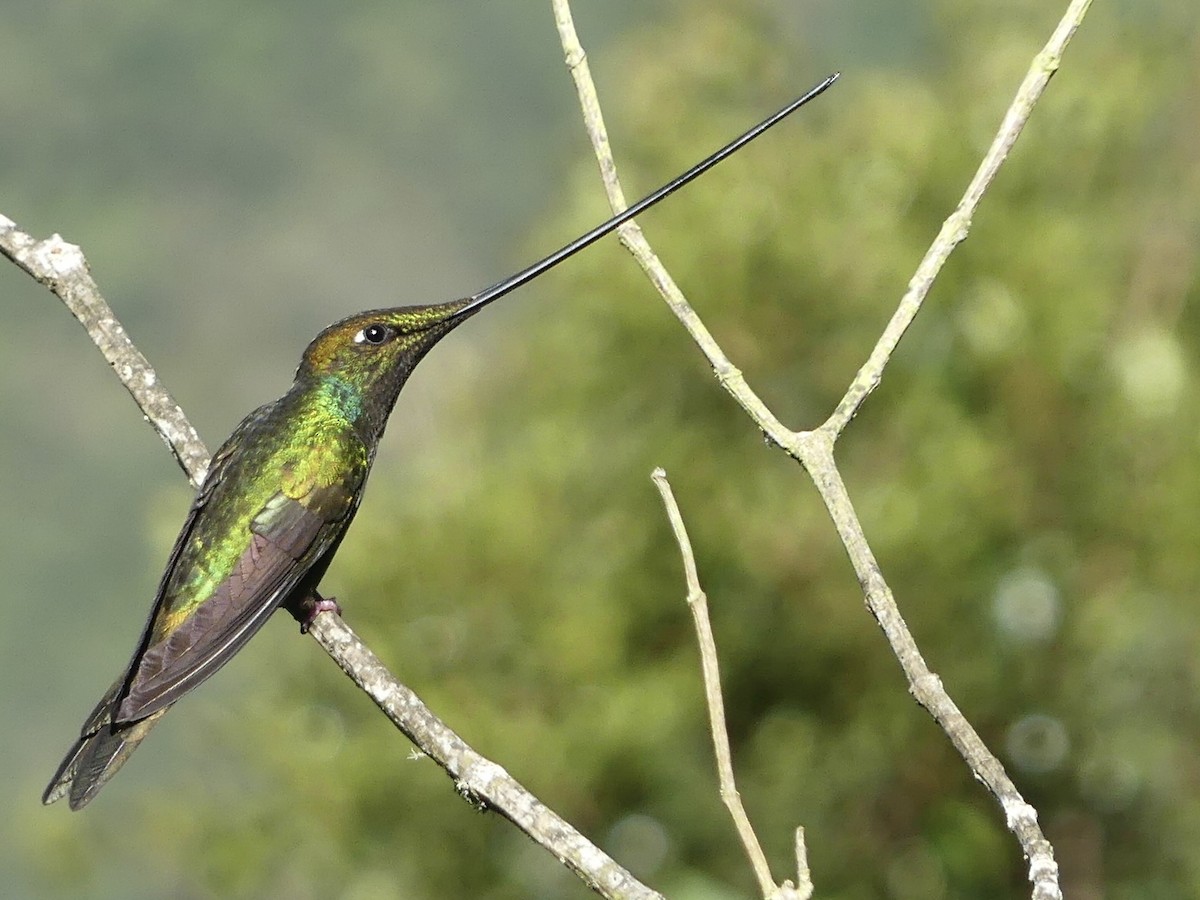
500, 288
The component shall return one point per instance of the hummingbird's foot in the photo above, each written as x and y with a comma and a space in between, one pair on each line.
312, 606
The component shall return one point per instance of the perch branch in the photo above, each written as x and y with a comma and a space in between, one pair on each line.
62, 268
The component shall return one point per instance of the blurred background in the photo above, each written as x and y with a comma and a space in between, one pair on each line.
241, 175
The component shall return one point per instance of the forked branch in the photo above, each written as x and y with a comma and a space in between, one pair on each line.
814, 449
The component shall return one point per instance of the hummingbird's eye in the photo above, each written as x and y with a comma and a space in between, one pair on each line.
373, 334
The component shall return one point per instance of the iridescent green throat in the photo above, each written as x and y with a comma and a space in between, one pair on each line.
337, 397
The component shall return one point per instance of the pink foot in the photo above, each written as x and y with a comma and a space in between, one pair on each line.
312, 606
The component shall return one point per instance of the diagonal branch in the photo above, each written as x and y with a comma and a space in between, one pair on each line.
62, 268
954, 230
814, 450
635, 242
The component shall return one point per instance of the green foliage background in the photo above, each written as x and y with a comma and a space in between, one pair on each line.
1026, 474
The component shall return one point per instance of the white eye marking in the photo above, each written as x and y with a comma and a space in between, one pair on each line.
372, 334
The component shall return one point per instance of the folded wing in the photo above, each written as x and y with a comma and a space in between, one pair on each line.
288, 544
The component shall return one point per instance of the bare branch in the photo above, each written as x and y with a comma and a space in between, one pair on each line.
635, 242
698, 603
814, 450
955, 228
804, 885
62, 268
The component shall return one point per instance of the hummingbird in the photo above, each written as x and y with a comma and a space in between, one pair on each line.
278, 498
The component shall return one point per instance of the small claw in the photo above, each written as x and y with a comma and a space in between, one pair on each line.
307, 610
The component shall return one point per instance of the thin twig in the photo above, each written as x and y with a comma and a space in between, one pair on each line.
814, 450
698, 603
62, 268
804, 885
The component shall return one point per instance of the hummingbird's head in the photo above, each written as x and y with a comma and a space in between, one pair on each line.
364, 360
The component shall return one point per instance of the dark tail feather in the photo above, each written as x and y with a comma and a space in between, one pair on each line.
100, 751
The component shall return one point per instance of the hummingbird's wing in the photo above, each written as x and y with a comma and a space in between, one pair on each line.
288, 535
287, 543
263, 577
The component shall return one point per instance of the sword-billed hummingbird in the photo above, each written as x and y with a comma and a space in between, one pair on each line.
277, 500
